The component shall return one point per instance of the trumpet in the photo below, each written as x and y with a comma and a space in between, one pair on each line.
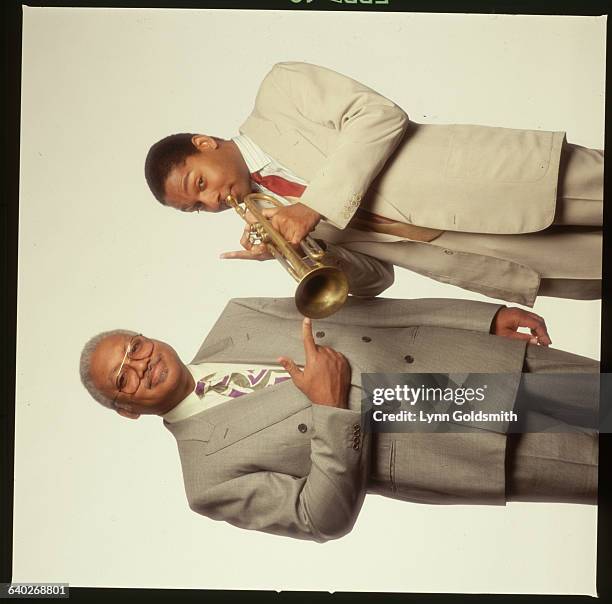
322, 289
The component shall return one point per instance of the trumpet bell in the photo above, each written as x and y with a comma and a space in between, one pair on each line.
321, 292
322, 288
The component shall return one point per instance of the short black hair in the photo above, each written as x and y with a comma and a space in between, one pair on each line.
162, 157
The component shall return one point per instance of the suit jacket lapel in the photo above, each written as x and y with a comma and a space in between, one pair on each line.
252, 413
241, 349
257, 347
246, 338
236, 419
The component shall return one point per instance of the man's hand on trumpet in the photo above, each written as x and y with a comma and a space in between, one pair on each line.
293, 222
251, 251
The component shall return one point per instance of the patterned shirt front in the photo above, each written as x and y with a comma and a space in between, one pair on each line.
217, 383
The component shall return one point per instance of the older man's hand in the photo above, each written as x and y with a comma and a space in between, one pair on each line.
507, 322
326, 377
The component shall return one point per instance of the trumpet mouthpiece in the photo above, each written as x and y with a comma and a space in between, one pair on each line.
231, 201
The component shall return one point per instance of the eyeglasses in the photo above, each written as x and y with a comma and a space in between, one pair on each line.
128, 380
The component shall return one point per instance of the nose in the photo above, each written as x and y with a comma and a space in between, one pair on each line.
211, 197
140, 366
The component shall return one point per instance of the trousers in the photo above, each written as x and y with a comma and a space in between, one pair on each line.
457, 467
554, 466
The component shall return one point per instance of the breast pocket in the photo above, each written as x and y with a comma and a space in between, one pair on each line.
483, 153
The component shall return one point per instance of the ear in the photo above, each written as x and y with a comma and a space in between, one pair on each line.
128, 414
203, 142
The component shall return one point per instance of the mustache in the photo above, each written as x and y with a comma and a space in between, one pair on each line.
151, 366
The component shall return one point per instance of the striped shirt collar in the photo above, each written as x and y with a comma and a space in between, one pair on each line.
253, 156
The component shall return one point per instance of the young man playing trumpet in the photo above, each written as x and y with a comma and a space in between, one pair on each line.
508, 213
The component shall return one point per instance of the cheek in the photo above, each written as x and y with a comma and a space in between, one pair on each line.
172, 376
217, 176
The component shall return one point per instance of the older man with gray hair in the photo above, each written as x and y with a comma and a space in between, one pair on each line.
279, 443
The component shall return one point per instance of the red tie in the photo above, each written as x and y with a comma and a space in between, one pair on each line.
279, 185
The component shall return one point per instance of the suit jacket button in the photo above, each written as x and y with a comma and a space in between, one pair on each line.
356, 446
366, 339
409, 359
320, 334
302, 428
449, 252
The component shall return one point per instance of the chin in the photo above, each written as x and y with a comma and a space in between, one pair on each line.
172, 384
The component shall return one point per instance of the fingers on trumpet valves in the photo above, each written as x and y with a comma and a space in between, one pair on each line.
254, 233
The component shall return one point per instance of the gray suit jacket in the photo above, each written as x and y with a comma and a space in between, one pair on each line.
272, 461
357, 148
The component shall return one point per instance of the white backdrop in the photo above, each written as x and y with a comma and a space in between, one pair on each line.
99, 499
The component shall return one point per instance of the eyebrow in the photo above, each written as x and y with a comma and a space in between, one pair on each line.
184, 182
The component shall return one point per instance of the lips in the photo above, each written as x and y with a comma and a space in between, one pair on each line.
158, 373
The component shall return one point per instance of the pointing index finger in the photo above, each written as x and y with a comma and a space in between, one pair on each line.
240, 254
309, 344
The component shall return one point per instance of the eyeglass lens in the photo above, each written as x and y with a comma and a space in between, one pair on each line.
128, 380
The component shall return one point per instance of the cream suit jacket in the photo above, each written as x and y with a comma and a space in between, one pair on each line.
274, 462
356, 148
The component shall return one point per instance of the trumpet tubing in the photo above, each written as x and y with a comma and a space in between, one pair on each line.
322, 288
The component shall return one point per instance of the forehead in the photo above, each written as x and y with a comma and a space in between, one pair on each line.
106, 358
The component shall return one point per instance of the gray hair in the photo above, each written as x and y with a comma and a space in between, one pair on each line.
85, 364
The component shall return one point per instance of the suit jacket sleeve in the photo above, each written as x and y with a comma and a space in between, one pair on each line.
435, 312
454, 314
321, 506
368, 126
366, 275
376, 312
